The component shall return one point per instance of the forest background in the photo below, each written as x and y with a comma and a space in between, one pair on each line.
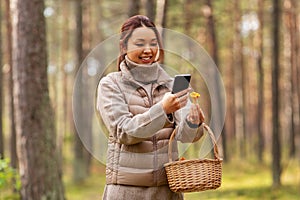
255, 46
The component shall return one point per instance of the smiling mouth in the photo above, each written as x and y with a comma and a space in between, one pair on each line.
146, 59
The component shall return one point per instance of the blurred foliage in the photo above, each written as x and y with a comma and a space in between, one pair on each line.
9, 179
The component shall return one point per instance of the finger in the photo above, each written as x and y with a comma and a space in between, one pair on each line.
177, 103
193, 115
183, 92
183, 100
173, 98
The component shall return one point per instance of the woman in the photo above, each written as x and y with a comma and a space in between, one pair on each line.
140, 114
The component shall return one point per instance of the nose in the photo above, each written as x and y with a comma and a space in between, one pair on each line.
147, 49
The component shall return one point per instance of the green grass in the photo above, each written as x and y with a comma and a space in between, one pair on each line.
251, 181
240, 181
90, 189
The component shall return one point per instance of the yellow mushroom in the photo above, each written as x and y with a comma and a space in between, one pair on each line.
194, 96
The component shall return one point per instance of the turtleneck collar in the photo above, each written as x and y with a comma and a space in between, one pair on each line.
141, 72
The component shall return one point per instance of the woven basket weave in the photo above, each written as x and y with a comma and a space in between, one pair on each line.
194, 175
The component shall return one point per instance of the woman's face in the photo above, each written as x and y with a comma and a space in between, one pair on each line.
142, 46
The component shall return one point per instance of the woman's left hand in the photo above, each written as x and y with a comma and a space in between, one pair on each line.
195, 115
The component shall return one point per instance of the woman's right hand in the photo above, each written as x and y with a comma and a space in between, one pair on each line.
173, 102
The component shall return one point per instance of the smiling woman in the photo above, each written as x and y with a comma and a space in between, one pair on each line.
140, 113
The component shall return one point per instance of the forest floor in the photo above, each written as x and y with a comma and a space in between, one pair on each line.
240, 181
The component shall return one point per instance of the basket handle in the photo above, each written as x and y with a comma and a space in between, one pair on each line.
210, 133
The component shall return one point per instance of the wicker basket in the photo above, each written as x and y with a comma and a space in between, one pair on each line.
194, 175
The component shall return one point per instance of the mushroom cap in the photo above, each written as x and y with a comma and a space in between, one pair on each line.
194, 94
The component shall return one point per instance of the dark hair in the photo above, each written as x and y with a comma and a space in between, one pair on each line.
128, 27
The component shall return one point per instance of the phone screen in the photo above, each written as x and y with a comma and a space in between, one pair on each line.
181, 82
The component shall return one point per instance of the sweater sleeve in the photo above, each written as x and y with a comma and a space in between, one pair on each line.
123, 126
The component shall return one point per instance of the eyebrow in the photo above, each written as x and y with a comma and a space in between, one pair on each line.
142, 40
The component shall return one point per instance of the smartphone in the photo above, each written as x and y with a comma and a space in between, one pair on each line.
181, 82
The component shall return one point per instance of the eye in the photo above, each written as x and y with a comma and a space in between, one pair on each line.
139, 44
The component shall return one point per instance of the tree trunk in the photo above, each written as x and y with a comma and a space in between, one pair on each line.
291, 19
41, 176
161, 13
1, 89
188, 16
79, 172
244, 105
150, 9
238, 81
13, 139
260, 84
134, 7
213, 51
276, 148
230, 122
297, 53
82, 159
87, 110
